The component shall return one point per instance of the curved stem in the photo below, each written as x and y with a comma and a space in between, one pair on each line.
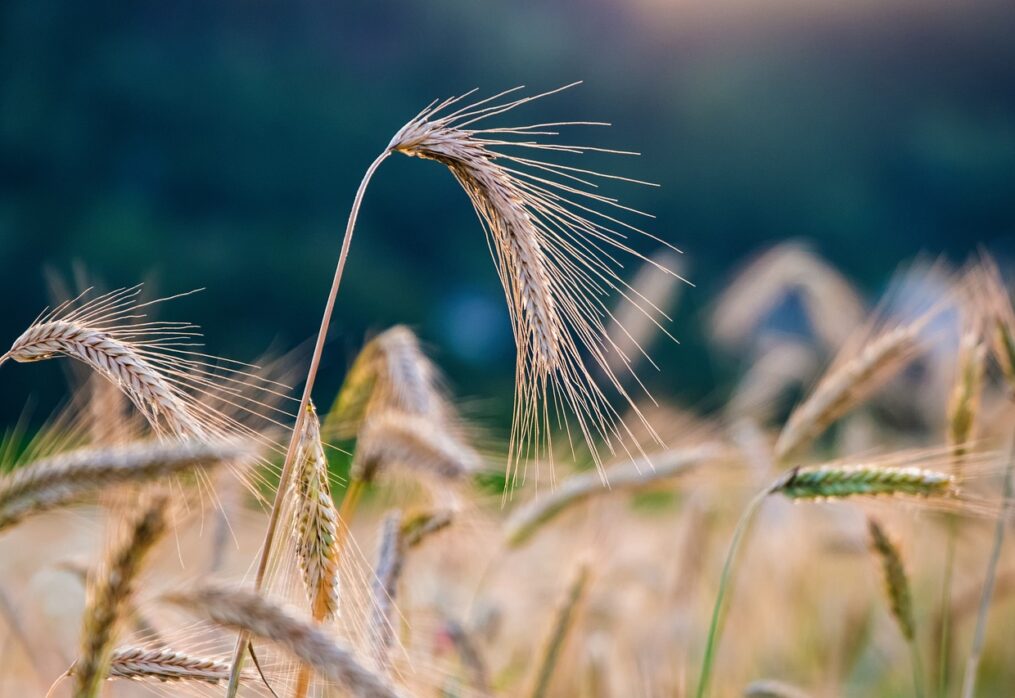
290, 456
715, 630
973, 662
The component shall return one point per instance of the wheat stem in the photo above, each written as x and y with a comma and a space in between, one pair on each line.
976, 650
725, 582
290, 456
562, 623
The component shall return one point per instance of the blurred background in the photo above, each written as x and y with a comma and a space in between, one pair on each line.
219, 144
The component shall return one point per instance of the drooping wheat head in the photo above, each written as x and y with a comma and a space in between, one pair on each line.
390, 561
553, 246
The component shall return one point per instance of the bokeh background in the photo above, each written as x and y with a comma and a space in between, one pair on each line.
218, 145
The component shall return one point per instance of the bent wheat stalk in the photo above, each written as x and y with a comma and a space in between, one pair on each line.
550, 251
109, 593
70, 477
241, 609
824, 482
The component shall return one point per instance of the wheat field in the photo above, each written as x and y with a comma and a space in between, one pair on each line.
833, 524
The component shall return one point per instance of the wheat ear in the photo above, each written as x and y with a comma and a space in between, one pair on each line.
390, 561
900, 599
240, 609
839, 481
528, 519
164, 664
316, 529
100, 334
393, 439
109, 594
390, 373
552, 251
316, 523
847, 384
70, 477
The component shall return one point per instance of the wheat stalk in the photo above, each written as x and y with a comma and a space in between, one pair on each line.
839, 481
244, 610
109, 594
70, 477
552, 265
554, 643
531, 517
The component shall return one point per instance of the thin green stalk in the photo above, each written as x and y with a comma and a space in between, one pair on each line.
290, 457
976, 651
944, 648
918, 675
725, 581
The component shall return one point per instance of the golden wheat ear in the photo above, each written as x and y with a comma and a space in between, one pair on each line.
556, 244
157, 364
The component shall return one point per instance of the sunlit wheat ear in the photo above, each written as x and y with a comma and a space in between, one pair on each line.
110, 591
553, 239
154, 363
241, 609
896, 583
528, 519
840, 481
164, 665
72, 476
858, 371
316, 523
398, 440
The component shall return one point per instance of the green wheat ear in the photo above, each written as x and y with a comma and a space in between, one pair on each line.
836, 482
